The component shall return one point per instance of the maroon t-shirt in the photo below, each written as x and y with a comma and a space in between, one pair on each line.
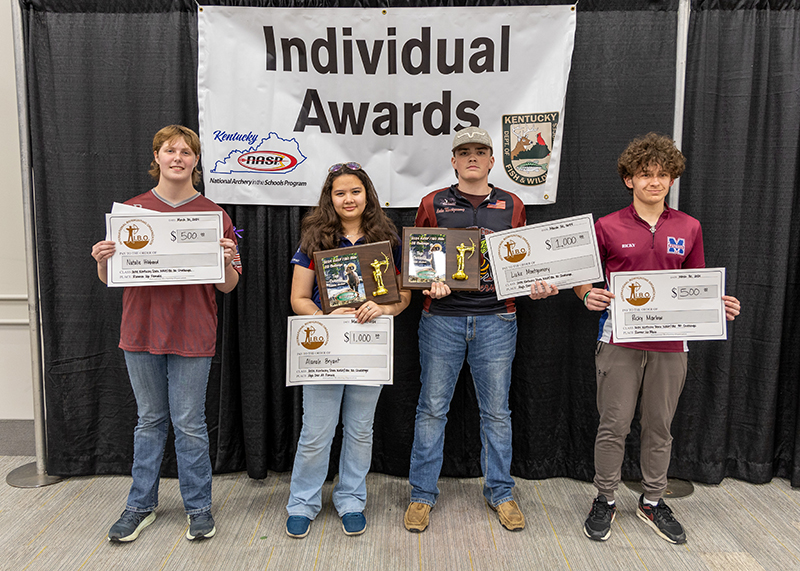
627, 243
173, 319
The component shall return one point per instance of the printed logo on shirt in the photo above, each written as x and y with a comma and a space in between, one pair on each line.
631, 245
513, 248
135, 234
498, 204
312, 335
527, 145
237, 260
676, 245
638, 291
447, 202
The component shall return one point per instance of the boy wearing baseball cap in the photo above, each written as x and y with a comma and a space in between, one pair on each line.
475, 324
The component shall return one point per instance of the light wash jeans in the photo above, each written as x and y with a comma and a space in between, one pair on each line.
170, 387
489, 342
321, 405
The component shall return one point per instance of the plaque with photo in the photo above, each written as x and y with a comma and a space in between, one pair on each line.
349, 277
449, 255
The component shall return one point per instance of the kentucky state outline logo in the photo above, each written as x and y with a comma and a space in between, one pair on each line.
676, 245
272, 155
527, 146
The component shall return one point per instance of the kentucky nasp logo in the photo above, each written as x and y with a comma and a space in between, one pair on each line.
527, 146
271, 155
676, 245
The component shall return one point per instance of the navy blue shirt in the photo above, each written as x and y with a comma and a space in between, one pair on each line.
447, 208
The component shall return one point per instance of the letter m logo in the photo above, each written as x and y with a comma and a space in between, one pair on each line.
676, 245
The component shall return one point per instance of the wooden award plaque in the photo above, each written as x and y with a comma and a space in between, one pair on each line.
348, 277
449, 255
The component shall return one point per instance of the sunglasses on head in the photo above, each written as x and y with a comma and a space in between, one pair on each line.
353, 166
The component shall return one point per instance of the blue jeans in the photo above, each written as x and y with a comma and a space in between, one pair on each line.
321, 405
170, 387
489, 342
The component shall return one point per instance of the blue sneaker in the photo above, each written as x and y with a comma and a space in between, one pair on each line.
201, 526
130, 525
354, 523
297, 526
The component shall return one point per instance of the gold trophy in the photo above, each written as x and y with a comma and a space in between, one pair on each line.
378, 268
462, 249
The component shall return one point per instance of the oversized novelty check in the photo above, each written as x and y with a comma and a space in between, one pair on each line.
561, 252
669, 305
337, 349
160, 248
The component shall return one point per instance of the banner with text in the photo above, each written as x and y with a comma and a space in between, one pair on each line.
286, 92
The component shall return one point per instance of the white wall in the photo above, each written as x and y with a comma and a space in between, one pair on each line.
16, 397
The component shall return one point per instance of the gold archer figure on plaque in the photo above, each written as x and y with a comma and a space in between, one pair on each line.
462, 249
378, 268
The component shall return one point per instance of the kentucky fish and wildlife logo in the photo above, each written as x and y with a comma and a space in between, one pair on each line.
527, 146
312, 335
135, 234
638, 291
513, 248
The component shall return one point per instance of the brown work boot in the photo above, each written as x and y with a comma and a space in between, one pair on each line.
510, 515
417, 517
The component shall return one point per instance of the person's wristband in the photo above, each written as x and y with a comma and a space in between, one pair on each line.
316, 312
586, 298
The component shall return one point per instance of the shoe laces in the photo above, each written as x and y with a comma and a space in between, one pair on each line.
200, 518
600, 509
663, 511
132, 516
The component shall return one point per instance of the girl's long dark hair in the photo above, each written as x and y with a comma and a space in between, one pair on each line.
321, 228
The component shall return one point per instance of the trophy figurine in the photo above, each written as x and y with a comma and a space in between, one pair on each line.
378, 268
462, 249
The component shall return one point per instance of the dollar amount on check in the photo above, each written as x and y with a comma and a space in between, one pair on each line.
561, 252
337, 349
669, 305
165, 249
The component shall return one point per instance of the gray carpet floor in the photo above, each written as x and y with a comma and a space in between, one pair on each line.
733, 526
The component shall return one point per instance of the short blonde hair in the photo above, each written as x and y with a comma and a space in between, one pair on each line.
169, 133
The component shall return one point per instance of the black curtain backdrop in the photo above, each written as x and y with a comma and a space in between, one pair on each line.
105, 75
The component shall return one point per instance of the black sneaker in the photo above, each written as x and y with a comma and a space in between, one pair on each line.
661, 520
130, 525
201, 526
598, 524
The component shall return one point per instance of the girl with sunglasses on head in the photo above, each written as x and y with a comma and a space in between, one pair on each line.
348, 213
